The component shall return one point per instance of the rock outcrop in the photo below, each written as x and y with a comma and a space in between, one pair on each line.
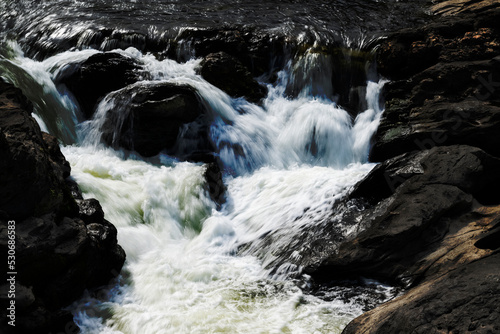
430, 225
445, 87
62, 246
430, 213
258, 51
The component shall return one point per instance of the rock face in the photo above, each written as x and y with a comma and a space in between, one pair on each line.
97, 76
445, 87
148, 119
25, 157
229, 74
429, 214
63, 246
430, 226
420, 197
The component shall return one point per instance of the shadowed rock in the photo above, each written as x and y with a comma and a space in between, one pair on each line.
430, 224
229, 74
445, 87
149, 118
97, 76
62, 247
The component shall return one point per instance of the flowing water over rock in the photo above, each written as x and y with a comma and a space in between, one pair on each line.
193, 265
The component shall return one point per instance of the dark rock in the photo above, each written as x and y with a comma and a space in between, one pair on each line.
229, 74
90, 210
446, 88
59, 163
215, 183
97, 76
491, 239
73, 188
149, 118
258, 51
421, 195
425, 230
58, 255
431, 216
31, 171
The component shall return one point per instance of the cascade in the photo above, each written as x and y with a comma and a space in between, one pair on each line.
194, 266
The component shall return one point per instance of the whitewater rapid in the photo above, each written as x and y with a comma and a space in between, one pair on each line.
193, 268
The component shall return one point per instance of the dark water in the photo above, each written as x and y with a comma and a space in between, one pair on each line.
43, 27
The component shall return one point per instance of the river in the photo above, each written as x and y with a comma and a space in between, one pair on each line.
194, 266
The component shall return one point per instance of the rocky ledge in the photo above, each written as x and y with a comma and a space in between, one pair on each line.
63, 244
430, 211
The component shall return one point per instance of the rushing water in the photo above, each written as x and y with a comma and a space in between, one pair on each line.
193, 267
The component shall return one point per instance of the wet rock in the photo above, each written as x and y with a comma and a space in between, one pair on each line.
430, 215
90, 210
31, 177
229, 74
445, 88
421, 194
58, 255
149, 118
100, 74
215, 183
258, 51
428, 220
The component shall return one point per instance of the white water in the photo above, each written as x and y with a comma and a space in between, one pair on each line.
183, 273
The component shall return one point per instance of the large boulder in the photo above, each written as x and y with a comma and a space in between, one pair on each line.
418, 196
430, 226
148, 118
229, 74
62, 246
97, 76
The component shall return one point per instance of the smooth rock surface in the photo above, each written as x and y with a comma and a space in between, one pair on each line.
229, 74
148, 119
97, 76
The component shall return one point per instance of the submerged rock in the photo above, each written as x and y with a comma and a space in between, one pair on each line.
62, 247
97, 76
229, 74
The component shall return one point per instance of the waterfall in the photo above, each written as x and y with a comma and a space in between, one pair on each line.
193, 268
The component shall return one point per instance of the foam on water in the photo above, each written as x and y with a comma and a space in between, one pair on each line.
183, 279
185, 272
53, 107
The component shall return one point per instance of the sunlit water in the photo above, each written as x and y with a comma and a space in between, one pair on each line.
191, 268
